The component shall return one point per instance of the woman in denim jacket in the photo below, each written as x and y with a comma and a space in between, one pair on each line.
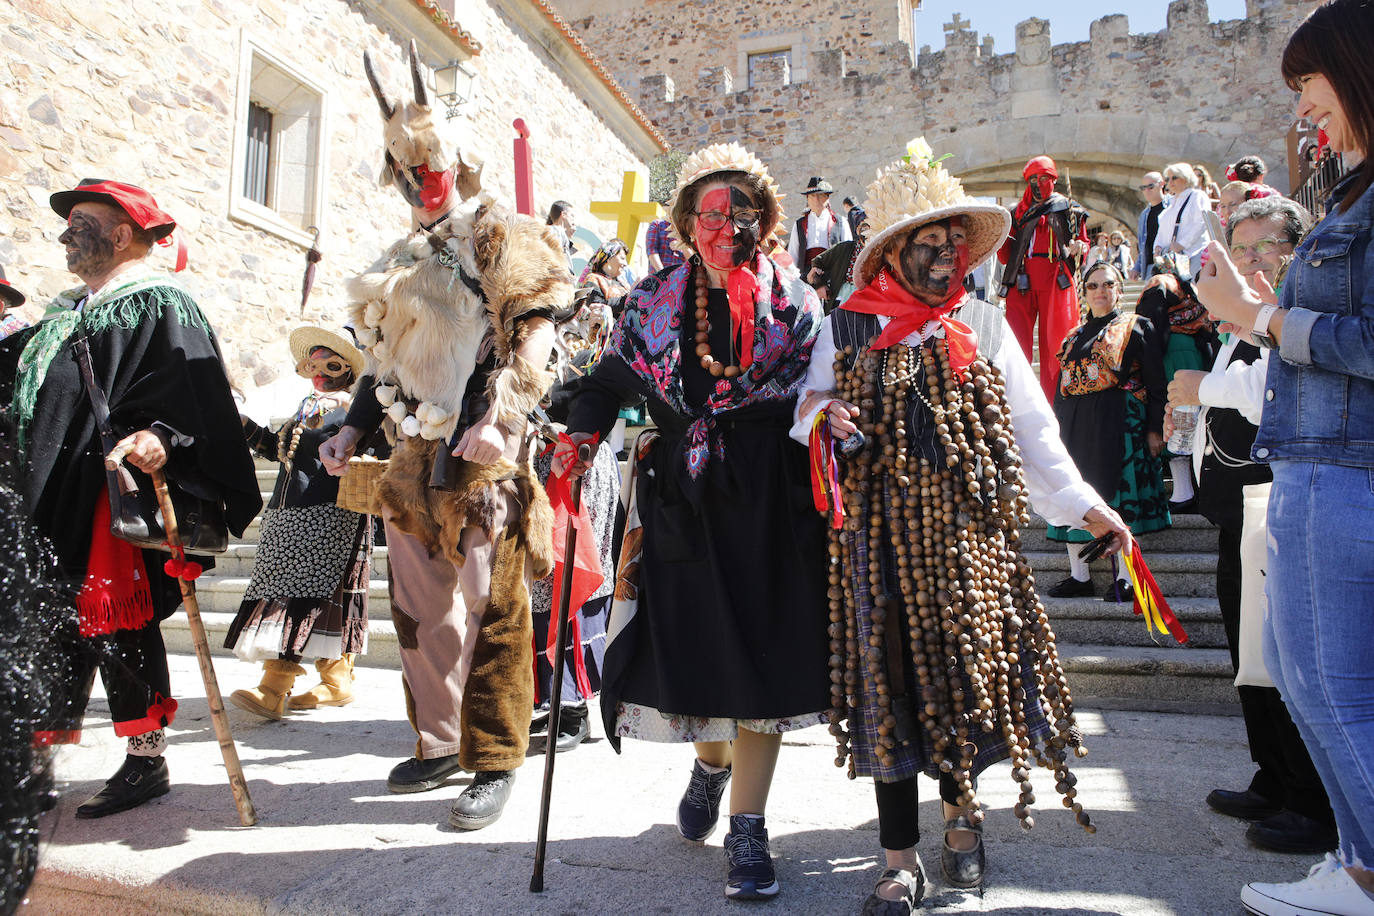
1317, 432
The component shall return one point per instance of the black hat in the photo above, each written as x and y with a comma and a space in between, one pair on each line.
13, 297
818, 185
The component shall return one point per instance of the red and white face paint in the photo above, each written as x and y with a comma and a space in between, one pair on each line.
728, 223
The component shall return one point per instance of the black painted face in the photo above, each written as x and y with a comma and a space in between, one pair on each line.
934, 260
89, 246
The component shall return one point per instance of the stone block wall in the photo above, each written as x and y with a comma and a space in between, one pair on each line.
146, 93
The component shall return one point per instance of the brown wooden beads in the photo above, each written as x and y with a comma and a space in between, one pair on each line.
947, 534
703, 334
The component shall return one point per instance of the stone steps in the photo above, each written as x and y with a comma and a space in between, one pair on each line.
1111, 658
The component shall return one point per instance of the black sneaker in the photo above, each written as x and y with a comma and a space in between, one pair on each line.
700, 806
1069, 587
482, 802
751, 875
416, 775
139, 780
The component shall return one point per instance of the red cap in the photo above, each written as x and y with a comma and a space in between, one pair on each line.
13, 297
136, 202
1040, 165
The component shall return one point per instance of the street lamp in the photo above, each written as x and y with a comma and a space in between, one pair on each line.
453, 84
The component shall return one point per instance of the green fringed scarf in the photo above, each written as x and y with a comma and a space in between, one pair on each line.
118, 305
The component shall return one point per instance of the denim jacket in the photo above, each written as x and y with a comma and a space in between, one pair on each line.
1319, 396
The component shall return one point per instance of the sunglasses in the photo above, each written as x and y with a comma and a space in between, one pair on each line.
1149, 187
1095, 285
713, 219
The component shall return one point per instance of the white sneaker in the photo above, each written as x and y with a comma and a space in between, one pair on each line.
1328, 891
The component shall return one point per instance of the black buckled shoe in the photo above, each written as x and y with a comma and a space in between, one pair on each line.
1248, 805
573, 727
912, 882
1293, 833
139, 780
1119, 593
482, 802
963, 868
416, 775
1069, 587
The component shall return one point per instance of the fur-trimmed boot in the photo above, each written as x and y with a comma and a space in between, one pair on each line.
268, 699
335, 687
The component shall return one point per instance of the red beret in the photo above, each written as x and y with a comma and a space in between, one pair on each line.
136, 202
1040, 165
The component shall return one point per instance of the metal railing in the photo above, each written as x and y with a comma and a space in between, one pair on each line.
1312, 192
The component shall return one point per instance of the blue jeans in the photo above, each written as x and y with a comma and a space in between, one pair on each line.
1319, 638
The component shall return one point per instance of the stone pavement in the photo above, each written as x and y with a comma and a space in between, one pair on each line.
331, 840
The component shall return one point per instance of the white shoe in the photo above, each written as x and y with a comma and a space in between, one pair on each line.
1328, 891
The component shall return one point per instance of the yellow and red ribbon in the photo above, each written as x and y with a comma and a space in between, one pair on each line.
1149, 598
587, 573
825, 471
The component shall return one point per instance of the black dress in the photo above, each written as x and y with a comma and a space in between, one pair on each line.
732, 607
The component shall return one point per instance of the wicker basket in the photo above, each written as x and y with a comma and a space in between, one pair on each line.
358, 486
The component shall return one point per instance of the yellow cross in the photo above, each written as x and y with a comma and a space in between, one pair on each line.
632, 210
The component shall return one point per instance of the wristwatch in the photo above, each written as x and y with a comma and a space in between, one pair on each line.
1260, 335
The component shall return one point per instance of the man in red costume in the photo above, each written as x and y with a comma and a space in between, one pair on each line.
1048, 237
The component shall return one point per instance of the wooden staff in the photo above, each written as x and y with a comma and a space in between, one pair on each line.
248, 816
584, 456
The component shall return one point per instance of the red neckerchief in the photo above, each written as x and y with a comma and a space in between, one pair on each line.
742, 289
885, 296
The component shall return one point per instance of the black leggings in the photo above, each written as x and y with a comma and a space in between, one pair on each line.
898, 810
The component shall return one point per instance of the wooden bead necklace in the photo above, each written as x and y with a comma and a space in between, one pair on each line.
703, 335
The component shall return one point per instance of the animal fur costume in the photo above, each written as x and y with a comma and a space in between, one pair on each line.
441, 305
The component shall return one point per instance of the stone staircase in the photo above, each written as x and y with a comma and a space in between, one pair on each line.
1110, 658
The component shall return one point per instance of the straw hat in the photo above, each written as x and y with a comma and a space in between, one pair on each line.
916, 190
723, 157
306, 338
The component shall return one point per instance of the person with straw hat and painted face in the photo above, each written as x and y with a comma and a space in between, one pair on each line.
155, 358
717, 631
942, 661
308, 594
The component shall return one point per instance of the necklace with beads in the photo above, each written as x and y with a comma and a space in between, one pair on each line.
703, 335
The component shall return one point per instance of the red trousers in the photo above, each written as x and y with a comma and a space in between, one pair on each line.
1057, 310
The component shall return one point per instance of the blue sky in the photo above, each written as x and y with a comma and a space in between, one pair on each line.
1068, 21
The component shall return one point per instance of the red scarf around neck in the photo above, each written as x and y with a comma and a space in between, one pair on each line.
885, 296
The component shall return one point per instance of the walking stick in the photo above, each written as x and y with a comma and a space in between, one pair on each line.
248, 816
584, 456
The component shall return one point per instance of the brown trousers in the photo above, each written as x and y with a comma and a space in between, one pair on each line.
467, 655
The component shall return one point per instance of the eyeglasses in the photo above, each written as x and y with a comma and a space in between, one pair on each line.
714, 219
1105, 284
1149, 187
1260, 248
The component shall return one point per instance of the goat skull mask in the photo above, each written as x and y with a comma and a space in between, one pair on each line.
421, 161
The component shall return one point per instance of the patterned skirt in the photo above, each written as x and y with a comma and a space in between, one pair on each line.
308, 595
1140, 497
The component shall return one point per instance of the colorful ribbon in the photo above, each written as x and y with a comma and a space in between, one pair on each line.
825, 471
587, 574
1149, 599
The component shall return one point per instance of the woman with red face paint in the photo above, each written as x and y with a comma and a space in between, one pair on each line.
308, 594
718, 626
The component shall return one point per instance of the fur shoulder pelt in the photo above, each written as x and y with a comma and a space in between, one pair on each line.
437, 517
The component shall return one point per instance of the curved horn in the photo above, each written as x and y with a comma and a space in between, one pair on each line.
421, 93
387, 108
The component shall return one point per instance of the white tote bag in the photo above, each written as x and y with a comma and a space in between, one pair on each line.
1254, 610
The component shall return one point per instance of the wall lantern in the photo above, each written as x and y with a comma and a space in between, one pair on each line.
453, 84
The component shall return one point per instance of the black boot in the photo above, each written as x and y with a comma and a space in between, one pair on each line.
482, 802
140, 779
416, 775
573, 727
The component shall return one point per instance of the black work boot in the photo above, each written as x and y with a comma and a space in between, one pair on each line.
139, 780
416, 775
482, 802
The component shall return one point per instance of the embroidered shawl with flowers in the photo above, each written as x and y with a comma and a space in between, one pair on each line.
648, 338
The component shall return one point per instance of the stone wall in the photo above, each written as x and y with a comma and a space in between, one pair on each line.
146, 93
1108, 108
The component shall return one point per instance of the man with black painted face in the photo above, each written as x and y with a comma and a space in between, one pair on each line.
155, 358
889, 346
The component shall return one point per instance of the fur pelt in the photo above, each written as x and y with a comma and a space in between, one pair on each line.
437, 517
